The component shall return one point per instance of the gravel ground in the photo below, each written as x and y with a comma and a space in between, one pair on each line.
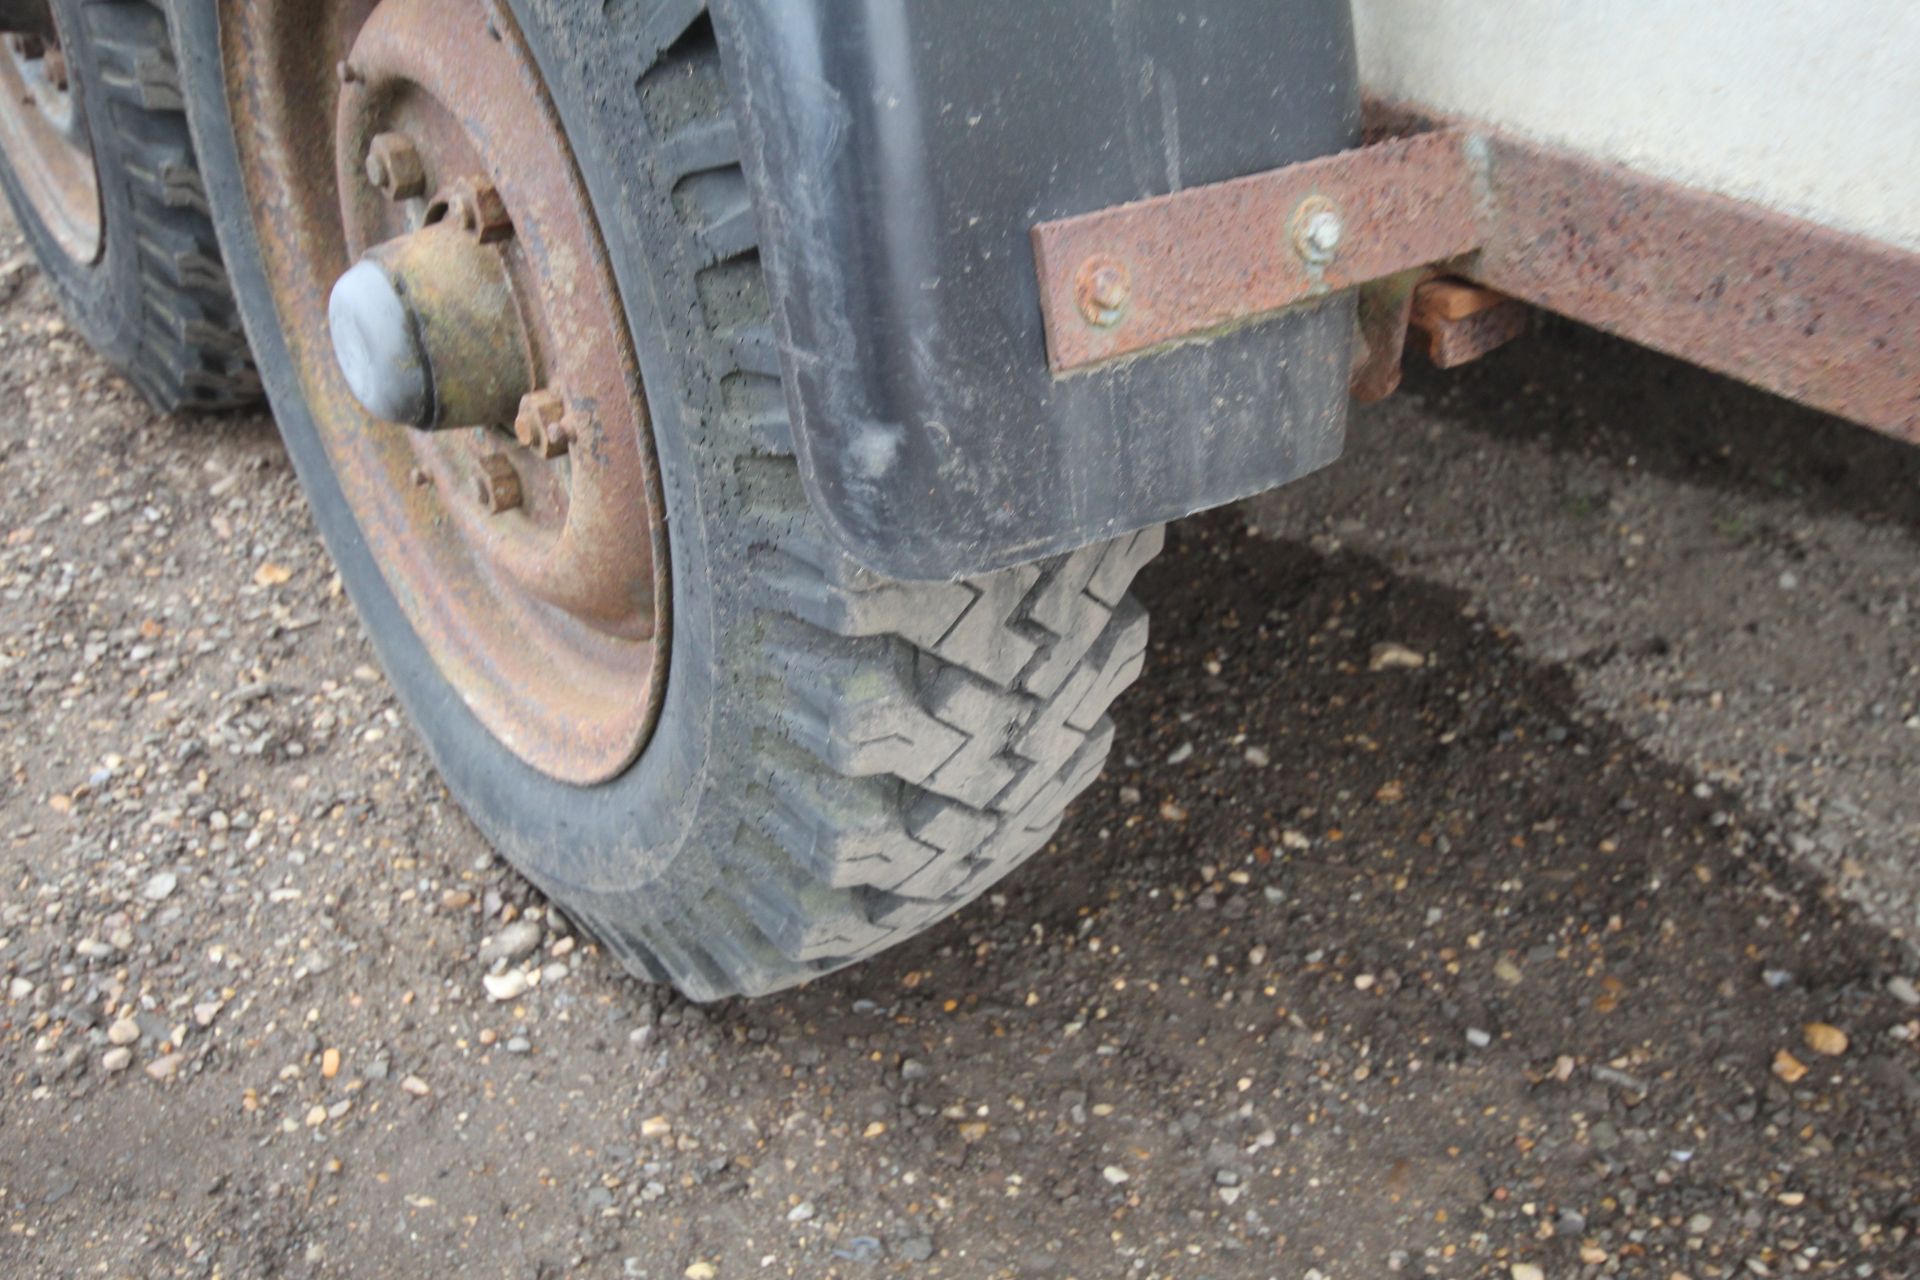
1438, 918
1734, 580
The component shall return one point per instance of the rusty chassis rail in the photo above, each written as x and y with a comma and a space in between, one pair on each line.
1819, 316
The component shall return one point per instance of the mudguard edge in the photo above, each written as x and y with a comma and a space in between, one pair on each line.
899, 154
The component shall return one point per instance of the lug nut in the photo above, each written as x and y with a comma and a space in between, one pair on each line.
393, 165
498, 484
475, 206
1102, 287
540, 425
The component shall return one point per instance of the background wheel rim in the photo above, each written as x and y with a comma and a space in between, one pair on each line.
546, 612
44, 136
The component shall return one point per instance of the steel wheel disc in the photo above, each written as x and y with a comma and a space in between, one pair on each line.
531, 563
45, 140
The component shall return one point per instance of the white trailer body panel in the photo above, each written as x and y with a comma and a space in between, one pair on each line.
1810, 108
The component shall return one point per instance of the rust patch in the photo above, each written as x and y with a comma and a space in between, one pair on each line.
1214, 256
1819, 316
534, 571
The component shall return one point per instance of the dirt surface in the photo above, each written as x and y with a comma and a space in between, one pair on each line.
1411, 933
1734, 580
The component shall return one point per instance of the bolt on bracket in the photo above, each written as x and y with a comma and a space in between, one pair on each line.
1208, 258
1818, 315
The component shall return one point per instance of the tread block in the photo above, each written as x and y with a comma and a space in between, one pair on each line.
862, 718
921, 617
1120, 560
982, 640
804, 921
752, 349
698, 147
1117, 662
936, 878
949, 829
847, 832
1076, 621
669, 22
717, 205
1058, 732
987, 718
179, 184
757, 406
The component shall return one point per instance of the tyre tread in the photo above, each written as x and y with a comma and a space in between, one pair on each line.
916, 741
189, 351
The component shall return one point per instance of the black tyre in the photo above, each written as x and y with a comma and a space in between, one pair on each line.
838, 760
119, 223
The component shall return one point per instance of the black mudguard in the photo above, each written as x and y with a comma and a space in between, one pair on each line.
900, 152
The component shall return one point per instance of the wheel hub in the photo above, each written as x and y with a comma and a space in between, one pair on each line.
427, 334
461, 344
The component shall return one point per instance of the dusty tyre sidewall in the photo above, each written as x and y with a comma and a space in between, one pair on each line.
101, 298
574, 842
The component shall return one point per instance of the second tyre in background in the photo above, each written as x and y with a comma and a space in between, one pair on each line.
101, 174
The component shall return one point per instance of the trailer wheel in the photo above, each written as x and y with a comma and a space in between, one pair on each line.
100, 171
735, 756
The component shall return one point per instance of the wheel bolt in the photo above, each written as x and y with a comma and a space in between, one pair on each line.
475, 207
540, 425
393, 165
498, 484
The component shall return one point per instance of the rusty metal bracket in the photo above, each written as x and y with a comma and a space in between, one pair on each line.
1817, 315
1820, 316
1128, 279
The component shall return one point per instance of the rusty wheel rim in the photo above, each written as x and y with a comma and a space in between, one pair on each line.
526, 547
45, 140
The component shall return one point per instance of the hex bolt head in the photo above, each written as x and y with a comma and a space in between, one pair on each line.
498, 484
1102, 286
1317, 228
540, 425
1323, 234
394, 166
475, 206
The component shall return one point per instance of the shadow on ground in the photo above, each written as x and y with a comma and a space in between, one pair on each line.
1580, 391
1412, 967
